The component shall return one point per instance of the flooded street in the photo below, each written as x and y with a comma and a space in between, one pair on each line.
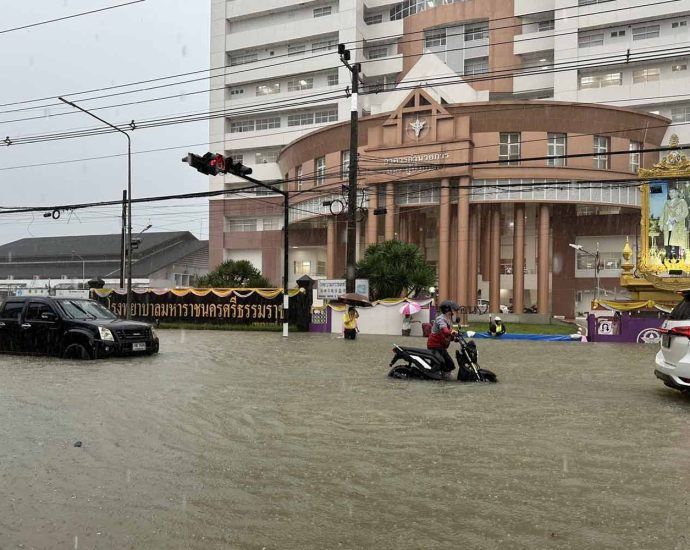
243, 440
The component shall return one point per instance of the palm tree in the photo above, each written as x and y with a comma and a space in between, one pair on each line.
395, 269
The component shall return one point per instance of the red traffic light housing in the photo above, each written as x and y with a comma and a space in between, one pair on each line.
209, 164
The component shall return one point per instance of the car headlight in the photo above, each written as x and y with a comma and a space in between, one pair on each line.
154, 334
106, 335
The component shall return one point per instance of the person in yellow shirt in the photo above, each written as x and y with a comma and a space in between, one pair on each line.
350, 328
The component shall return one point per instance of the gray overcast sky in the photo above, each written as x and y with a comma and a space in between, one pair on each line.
151, 39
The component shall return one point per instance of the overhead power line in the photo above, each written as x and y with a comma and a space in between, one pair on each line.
301, 59
3, 31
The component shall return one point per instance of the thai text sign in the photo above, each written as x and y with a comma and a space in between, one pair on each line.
331, 289
240, 306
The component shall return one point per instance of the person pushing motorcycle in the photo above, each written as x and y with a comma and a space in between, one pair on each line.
442, 333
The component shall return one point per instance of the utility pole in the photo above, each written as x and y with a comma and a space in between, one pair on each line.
351, 245
214, 165
122, 239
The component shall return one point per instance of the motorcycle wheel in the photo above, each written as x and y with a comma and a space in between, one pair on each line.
401, 372
488, 376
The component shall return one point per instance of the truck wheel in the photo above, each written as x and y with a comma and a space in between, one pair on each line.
76, 350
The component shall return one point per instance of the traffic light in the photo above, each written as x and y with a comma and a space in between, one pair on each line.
209, 164
236, 168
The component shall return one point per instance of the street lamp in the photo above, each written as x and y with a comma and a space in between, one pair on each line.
597, 267
128, 248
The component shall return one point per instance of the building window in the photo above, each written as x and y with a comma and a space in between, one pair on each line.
617, 34
602, 80
377, 53
326, 116
324, 45
266, 157
320, 170
679, 67
268, 123
414, 193
478, 65
651, 74
321, 269
556, 147
344, 164
410, 7
479, 31
681, 113
300, 119
601, 148
241, 126
332, 79
237, 157
298, 177
268, 89
243, 59
240, 224
302, 267
509, 148
643, 33
272, 224
181, 279
300, 84
322, 12
296, 49
543, 26
634, 149
679, 24
373, 19
590, 39
435, 38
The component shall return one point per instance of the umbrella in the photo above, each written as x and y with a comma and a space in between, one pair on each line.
354, 299
450, 303
410, 308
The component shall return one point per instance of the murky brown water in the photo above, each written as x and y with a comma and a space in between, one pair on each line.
242, 440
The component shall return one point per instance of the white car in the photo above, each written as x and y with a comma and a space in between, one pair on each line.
673, 359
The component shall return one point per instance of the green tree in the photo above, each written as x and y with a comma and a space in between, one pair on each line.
234, 274
395, 269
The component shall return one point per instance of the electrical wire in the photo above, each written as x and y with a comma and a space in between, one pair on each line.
3, 31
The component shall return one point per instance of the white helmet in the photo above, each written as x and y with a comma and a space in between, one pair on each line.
497, 318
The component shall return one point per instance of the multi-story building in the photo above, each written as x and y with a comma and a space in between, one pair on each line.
494, 98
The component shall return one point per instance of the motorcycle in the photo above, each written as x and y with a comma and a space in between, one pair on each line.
426, 364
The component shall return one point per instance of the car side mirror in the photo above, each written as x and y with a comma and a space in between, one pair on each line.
47, 316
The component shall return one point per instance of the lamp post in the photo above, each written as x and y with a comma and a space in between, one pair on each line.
128, 247
597, 267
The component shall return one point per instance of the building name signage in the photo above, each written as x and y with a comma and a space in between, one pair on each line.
410, 161
331, 289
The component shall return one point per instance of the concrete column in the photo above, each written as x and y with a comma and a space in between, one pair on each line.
463, 238
485, 240
518, 257
473, 262
544, 260
372, 221
444, 239
331, 236
390, 215
495, 276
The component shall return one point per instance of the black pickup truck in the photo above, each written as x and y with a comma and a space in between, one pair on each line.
70, 328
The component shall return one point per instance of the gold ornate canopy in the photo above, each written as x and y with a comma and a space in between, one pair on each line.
664, 255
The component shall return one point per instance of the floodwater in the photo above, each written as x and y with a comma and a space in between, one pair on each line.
245, 441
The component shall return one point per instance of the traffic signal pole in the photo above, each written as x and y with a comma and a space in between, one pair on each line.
213, 165
351, 245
